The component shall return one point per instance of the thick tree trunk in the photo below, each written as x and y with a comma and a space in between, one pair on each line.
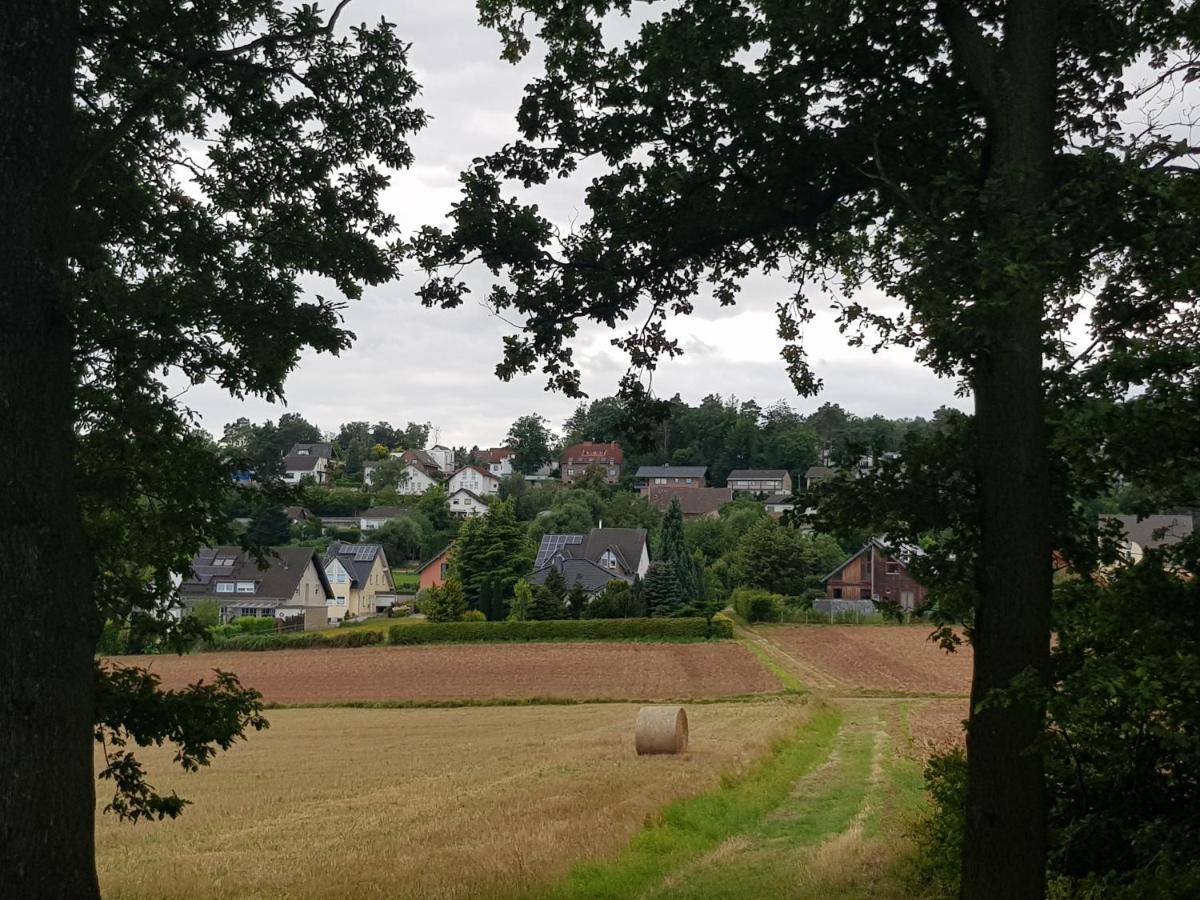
1005, 842
47, 783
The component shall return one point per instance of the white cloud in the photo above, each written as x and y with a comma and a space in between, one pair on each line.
414, 364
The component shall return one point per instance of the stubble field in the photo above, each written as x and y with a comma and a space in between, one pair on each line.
431, 803
427, 673
883, 659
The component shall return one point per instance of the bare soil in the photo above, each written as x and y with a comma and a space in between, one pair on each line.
898, 659
479, 671
937, 724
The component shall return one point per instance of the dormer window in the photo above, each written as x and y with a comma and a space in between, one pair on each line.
224, 587
245, 587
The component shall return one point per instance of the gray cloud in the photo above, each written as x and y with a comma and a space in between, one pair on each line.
410, 363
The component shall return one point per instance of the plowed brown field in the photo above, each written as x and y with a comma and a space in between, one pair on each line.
480, 671
876, 658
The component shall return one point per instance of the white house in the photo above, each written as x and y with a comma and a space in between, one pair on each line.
417, 481
466, 503
299, 465
474, 479
442, 456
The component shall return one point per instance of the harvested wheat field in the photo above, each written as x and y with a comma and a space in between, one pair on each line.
937, 724
881, 658
437, 803
478, 671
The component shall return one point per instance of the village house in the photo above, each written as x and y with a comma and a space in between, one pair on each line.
871, 574
361, 581
442, 457
760, 481
594, 559
777, 504
579, 458
673, 476
694, 502
475, 479
814, 475
422, 461
293, 588
307, 460
433, 572
378, 516
466, 504
414, 480
497, 460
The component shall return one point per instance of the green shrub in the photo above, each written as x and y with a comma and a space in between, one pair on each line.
720, 626
757, 605
551, 630
300, 640
939, 833
253, 624
474, 615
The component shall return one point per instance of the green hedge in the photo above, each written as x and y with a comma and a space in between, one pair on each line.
556, 630
720, 627
300, 639
757, 605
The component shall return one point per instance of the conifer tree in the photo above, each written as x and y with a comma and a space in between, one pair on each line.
664, 597
577, 599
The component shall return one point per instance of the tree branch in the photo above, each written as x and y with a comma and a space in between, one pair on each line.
971, 48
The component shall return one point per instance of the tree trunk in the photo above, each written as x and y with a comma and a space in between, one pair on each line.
47, 686
1005, 843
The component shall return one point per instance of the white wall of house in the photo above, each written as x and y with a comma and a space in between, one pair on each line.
501, 468
643, 564
338, 605
317, 472
416, 483
473, 480
443, 456
309, 591
463, 504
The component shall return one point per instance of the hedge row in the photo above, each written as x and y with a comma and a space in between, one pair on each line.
756, 605
300, 639
474, 632
553, 630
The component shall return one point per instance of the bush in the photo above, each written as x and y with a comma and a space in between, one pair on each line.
474, 615
757, 605
554, 630
939, 833
300, 640
720, 627
253, 624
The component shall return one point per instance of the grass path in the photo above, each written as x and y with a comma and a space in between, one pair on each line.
822, 818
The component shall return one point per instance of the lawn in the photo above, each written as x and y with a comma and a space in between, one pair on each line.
451, 803
406, 581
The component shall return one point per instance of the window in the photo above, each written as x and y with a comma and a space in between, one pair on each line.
249, 611
688, 480
444, 568
893, 568
224, 587
864, 593
837, 593
660, 481
341, 577
245, 587
906, 599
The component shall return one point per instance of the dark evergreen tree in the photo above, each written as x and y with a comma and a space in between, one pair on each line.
269, 527
673, 550
549, 598
577, 600
663, 595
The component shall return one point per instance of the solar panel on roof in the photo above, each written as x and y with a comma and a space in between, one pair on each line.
361, 554
552, 544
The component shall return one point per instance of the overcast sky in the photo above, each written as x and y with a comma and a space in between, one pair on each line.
414, 364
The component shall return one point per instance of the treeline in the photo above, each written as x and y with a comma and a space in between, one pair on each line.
726, 434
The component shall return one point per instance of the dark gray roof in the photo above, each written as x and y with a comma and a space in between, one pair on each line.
300, 462
1153, 531
469, 493
693, 501
591, 576
319, 449
357, 559
818, 472
626, 543
671, 471
777, 499
424, 458
756, 474
286, 566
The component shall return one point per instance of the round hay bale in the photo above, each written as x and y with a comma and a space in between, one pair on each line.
661, 729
